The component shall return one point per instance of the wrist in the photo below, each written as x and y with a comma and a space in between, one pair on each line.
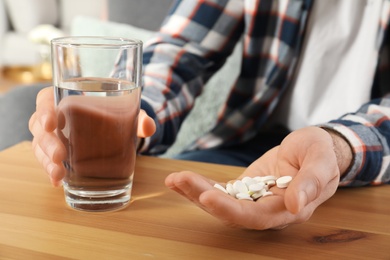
342, 149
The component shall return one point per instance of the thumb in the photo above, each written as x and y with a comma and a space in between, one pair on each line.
311, 184
146, 125
303, 189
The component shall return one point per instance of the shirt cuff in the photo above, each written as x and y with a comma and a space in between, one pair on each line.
357, 146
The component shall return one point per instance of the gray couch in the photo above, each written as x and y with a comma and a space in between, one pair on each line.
17, 105
18, 18
131, 18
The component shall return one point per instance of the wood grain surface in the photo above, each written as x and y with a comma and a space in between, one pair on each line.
35, 222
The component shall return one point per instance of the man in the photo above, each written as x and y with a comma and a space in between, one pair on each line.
304, 63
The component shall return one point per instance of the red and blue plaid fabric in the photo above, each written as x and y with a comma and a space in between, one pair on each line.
198, 36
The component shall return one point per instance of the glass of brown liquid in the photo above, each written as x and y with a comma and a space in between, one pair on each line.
97, 82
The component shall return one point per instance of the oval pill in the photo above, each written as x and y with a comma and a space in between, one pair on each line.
283, 182
253, 188
240, 187
271, 183
243, 196
256, 187
257, 195
248, 181
268, 178
220, 187
230, 189
267, 193
258, 179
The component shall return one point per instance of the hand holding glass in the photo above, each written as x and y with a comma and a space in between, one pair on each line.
97, 83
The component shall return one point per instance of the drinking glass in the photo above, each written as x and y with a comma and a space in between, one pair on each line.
97, 87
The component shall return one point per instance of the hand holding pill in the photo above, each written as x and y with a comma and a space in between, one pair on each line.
296, 177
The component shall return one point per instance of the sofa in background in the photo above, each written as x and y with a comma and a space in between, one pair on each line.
19, 17
131, 18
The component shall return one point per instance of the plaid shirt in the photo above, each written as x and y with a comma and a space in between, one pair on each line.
196, 39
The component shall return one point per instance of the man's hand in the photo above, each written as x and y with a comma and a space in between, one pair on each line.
47, 146
307, 155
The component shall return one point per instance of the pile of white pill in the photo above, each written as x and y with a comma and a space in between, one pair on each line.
253, 188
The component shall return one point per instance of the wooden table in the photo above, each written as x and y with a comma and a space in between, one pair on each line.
35, 223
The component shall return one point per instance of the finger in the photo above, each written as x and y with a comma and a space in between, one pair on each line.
42, 158
45, 97
45, 113
56, 172
312, 183
146, 125
188, 184
50, 144
42, 121
46, 109
224, 207
266, 213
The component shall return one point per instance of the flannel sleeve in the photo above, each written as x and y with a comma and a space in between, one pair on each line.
368, 132
194, 41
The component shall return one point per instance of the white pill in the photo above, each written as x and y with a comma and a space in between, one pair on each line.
258, 179
243, 196
268, 178
240, 187
253, 188
267, 193
257, 195
220, 187
248, 181
283, 182
256, 187
270, 183
230, 189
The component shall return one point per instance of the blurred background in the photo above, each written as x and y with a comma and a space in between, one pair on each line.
27, 26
